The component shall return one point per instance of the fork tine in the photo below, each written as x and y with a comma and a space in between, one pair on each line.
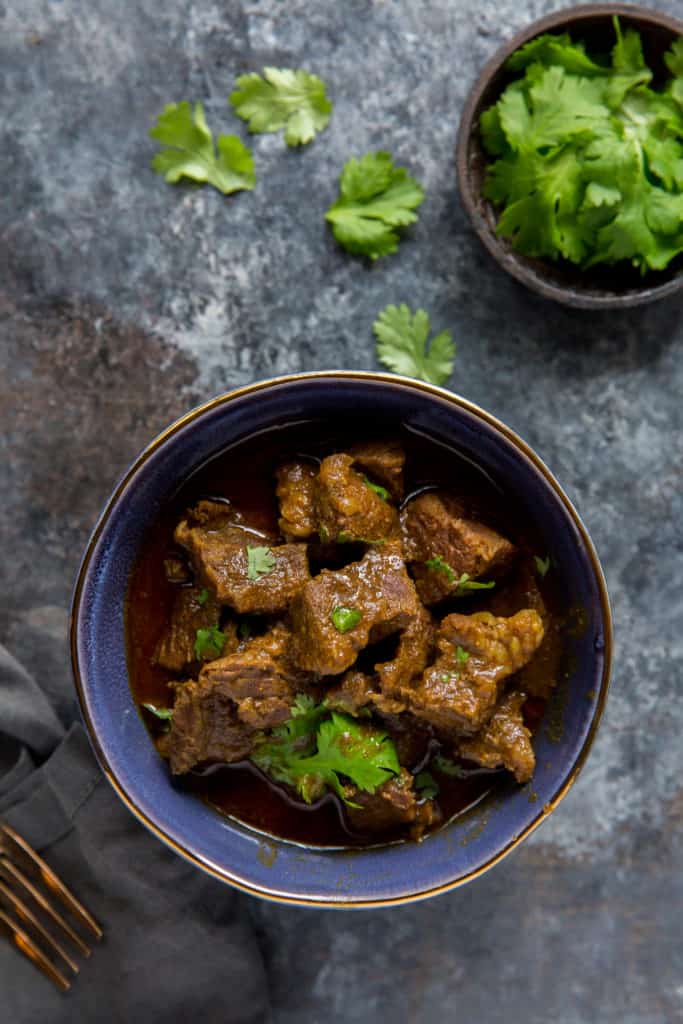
52, 882
18, 876
26, 945
22, 911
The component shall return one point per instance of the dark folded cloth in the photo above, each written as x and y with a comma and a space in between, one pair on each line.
177, 943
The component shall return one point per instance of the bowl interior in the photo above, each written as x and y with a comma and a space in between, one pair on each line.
272, 867
602, 286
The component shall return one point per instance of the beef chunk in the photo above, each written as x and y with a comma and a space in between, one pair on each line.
412, 656
175, 650
378, 587
521, 590
477, 652
205, 728
393, 804
435, 525
218, 549
214, 718
346, 508
295, 491
504, 741
411, 736
358, 692
383, 461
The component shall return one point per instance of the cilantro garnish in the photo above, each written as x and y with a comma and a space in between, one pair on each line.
402, 345
589, 161
375, 200
209, 643
345, 619
542, 564
190, 152
317, 749
260, 562
448, 767
465, 584
461, 654
165, 714
439, 565
293, 100
426, 785
202, 597
381, 491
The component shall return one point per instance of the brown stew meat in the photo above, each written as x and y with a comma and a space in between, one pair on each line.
342, 641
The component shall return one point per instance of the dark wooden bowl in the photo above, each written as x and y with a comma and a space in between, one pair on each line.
600, 287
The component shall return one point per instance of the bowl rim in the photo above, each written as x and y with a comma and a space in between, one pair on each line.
431, 390
507, 258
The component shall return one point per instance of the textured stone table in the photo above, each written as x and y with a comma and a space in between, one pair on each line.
124, 301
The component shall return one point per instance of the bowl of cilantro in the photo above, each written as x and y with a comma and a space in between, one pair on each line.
570, 156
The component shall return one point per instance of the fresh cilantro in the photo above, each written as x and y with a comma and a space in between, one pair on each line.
448, 767
165, 714
203, 597
439, 565
402, 345
449, 677
542, 564
375, 199
209, 643
461, 654
589, 161
260, 562
190, 152
465, 584
318, 749
323, 534
426, 785
345, 619
293, 100
381, 491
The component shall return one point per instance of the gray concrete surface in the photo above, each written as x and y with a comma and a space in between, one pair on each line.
124, 301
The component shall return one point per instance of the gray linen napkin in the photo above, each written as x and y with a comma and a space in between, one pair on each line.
177, 944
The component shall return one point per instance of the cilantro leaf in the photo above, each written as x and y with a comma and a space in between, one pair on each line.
260, 562
375, 199
461, 654
542, 564
554, 50
448, 767
465, 584
382, 492
190, 152
674, 62
165, 714
402, 345
209, 643
426, 785
345, 619
317, 749
439, 565
283, 98
203, 597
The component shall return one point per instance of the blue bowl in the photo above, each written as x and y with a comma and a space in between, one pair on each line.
271, 867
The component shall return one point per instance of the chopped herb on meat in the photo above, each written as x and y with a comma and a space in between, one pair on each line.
542, 564
440, 565
345, 619
260, 562
377, 488
209, 643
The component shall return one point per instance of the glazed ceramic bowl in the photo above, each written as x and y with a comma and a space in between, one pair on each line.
600, 287
272, 867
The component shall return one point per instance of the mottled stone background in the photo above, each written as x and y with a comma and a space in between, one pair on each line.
124, 301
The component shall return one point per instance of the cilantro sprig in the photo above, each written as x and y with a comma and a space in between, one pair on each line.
402, 345
376, 199
463, 583
209, 643
318, 750
589, 161
283, 98
189, 151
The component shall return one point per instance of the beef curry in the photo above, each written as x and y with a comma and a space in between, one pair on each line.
342, 642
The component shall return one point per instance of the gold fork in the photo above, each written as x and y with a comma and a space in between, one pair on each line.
20, 869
